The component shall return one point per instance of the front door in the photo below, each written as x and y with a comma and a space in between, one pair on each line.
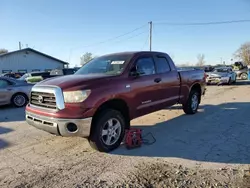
145, 87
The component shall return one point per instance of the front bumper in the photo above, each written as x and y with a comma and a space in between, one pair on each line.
217, 80
59, 126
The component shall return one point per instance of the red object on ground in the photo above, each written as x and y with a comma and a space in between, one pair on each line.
133, 138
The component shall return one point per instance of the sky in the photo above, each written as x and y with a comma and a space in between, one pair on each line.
67, 29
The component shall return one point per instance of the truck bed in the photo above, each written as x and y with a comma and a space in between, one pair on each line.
188, 78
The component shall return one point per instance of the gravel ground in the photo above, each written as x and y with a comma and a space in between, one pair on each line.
208, 149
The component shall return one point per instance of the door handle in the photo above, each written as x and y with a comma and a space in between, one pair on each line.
157, 80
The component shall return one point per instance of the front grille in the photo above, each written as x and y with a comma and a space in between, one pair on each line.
45, 100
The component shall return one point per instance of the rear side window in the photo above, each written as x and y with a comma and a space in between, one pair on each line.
162, 65
145, 66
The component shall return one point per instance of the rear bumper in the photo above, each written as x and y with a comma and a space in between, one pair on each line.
59, 126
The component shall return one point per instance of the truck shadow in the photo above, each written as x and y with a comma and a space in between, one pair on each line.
215, 134
3, 130
10, 114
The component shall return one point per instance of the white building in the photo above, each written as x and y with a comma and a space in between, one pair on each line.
29, 60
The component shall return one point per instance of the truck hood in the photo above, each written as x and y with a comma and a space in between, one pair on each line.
71, 81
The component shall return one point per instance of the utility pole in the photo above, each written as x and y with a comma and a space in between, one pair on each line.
20, 46
150, 35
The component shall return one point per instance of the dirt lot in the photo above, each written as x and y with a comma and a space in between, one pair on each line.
209, 149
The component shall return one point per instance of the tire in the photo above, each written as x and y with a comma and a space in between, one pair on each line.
243, 76
19, 100
107, 123
190, 107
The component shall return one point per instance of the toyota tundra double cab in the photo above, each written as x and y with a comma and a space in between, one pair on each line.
101, 98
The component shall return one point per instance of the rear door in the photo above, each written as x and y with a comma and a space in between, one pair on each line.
170, 81
145, 87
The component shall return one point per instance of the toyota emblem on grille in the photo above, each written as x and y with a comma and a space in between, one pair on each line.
40, 99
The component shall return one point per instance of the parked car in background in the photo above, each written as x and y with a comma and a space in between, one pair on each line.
101, 98
62, 72
14, 92
34, 77
208, 68
15, 75
241, 70
221, 75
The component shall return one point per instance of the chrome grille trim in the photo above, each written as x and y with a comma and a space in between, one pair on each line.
55, 91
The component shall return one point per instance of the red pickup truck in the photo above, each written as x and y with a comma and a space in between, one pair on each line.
101, 98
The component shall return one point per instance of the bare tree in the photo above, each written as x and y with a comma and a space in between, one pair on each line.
201, 60
3, 51
243, 53
85, 58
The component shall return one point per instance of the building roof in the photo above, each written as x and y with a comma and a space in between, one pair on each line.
35, 51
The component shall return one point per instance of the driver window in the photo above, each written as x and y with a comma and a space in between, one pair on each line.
3, 83
145, 66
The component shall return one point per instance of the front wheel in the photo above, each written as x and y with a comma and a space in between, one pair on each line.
108, 131
192, 103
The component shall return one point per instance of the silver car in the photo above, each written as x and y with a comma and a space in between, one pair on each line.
14, 92
221, 75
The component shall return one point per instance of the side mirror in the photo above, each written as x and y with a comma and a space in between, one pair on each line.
135, 72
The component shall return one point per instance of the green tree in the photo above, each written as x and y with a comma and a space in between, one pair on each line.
3, 51
85, 58
243, 53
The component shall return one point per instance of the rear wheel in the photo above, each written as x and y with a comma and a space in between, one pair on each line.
192, 103
19, 100
243, 76
108, 131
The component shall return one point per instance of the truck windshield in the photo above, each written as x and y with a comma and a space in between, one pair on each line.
110, 65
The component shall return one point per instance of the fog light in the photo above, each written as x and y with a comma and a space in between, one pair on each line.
71, 127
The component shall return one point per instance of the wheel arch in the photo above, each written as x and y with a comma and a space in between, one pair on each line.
116, 104
197, 87
19, 92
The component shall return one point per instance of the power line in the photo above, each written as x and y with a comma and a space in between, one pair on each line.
202, 23
113, 38
146, 41
132, 36
110, 39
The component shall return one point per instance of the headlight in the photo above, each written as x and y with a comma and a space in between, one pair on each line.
75, 96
